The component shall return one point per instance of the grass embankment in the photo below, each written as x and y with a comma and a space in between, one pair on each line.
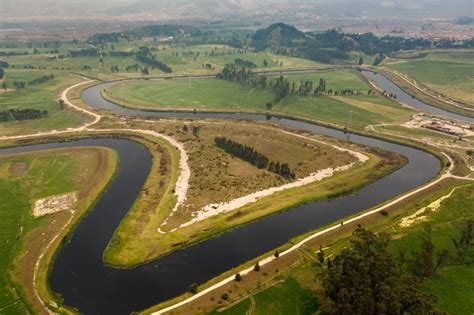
25, 178
448, 72
220, 95
217, 177
42, 96
301, 265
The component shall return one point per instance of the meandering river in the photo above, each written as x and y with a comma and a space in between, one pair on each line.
80, 276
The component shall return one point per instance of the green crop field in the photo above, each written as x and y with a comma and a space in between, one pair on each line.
450, 73
42, 96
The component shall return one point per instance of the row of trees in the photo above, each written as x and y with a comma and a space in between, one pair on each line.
281, 86
22, 84
22, 114
232, 72
42, 79
144, 55
254, 157
244, 63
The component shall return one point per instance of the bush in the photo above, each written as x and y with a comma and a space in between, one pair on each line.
193, 288
384, 213
257, 267
225, 296
238, 277
276, 254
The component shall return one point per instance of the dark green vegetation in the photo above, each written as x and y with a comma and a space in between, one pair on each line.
255, 158
365, 279
144, 55
22, 114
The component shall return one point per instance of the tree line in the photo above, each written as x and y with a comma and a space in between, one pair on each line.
281, 86
42, 79
254, 157
22, 114
144, 55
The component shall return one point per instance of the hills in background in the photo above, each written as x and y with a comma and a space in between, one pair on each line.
221, 9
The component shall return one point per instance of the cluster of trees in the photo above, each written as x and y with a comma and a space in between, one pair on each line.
13, 53
144, 55
22, 84
2, 73
244, 63
232, 72
22, 114
391, 95
134, 67
366, 279
19, 84
121, 54
29, 66
254, 157
114, 69
281, 86
303, 88
4, 64
87, 52
42, 79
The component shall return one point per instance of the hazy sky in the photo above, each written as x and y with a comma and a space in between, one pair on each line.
31, 9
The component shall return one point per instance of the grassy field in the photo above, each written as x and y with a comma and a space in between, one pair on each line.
448, 72
287, 297
24, 179
217, 177
39, 96
214, 94
183, 60
211, 94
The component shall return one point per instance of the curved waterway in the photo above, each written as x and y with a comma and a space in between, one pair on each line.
80, 276
385, 84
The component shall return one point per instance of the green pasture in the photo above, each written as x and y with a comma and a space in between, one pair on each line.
450, 72
216, 94
41, 96
283, 298
43, 176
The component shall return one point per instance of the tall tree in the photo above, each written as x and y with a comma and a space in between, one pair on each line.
465, 241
